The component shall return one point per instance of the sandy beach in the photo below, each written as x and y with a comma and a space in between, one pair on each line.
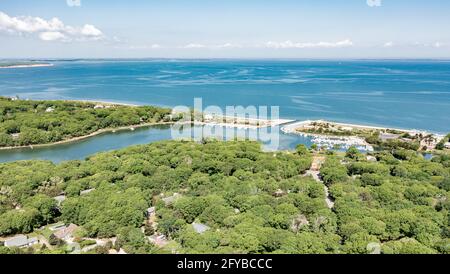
26, 66
291, 128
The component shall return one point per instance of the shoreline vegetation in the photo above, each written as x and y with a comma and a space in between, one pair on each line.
93, 134
30, 123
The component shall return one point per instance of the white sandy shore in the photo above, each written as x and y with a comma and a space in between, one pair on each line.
104, 102
27, 66
264, 124
292, 128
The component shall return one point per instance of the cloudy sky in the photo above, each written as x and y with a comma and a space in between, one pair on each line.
225, 28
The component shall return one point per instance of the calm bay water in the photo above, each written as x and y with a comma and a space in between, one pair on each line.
110, 141
402, 94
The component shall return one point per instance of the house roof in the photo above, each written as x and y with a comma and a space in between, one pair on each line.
59, 199
32, 240
20, 240
171, 199
84, 192
57, 227
388, 136
200, 228
66, 232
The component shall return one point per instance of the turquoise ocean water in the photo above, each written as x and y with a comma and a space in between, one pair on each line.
403, 94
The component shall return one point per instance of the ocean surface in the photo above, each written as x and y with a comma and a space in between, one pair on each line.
402, 94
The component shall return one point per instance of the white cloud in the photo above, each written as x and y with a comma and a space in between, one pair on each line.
194, 46
291, 45
91, 31
374, 3
437, 45
228, 46
388, 44
51, 36
432, 45
143, 47
216, 46
73, 3
48, 30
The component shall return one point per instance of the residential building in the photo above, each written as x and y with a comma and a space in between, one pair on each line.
20, 241
200, 228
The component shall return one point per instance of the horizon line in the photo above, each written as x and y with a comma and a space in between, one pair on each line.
224, 58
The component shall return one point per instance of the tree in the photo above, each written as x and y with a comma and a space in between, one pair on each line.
53, 240
132, 240
190, 207
353, 153
302, 150
45, 205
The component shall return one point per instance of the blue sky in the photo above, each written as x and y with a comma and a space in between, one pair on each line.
225, 28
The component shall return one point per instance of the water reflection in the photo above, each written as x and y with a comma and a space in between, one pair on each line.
116, 140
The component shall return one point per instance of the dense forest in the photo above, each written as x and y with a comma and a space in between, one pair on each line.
26, 122
248, 201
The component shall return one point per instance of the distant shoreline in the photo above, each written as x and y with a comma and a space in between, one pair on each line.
287, 127
26, 66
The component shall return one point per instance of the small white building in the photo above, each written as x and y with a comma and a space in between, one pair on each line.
208, 117
158, 240
59, 199
371, 158
200, 228
171, 199
66, 233
87, 191
151, 211
50, 109
447, 145
388, 136
15, 136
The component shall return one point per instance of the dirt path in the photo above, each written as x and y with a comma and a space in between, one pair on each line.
314, 172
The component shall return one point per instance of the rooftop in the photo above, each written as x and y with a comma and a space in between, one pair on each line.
20, 241
66, 231
200, 228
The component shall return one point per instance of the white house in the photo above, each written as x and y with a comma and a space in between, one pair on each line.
50, 109
171, 199
87, 191
151, 211
200, 228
